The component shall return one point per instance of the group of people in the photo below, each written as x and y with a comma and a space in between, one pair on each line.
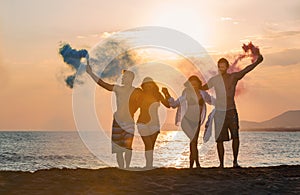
191, 112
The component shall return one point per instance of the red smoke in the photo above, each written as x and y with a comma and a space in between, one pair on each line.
250, 51
234, 67
254, 51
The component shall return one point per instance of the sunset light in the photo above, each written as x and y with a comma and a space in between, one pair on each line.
149, 97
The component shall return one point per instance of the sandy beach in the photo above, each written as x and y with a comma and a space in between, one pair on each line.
266, 180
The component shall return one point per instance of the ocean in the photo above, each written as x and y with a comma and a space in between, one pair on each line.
32, 151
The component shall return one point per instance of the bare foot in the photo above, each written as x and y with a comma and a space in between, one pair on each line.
236, 165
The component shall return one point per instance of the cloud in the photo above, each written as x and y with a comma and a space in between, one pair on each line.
272, 35
231, 20
226, 19
80, 37
278, 30
283, 58
107, 34
102, 35
282, 34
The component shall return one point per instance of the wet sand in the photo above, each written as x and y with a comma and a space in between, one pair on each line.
266, 180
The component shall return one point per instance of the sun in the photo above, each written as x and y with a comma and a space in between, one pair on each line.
185, 19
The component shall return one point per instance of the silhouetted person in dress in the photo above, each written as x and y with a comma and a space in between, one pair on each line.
191, 113
148, 121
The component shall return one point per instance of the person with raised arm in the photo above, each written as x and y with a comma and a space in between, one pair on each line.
226, 116
123, 119
191, 112
148, 123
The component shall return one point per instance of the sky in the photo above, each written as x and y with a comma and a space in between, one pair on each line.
35, 97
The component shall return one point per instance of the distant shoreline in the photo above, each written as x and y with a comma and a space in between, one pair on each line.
272, 129
297, 129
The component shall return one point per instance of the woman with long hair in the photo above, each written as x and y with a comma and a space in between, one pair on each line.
148, 121
191, 112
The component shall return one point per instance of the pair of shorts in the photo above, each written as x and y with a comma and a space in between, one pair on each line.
147, 129
223, 121
122, 137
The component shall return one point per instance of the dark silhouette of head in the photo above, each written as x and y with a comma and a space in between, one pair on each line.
149, 84
150, 87
193, 81
127, 77
223, 65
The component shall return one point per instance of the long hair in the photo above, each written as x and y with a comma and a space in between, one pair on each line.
187, 84
150, 85
193, 78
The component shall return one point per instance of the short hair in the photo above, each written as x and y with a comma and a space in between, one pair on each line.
129, 73
223, 60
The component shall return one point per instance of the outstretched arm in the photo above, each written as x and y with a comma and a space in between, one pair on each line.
164, 100
250, 67
208, 85
98, 80
208, 98
173, 103
205, 87
166, 92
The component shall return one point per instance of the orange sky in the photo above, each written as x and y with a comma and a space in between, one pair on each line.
34, 96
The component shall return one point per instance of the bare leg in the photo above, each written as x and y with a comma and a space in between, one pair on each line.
149, 158
194, 150
128, 152
128, 155
149, 142
191, 155
196, 154
220, 148
120, 160
235, 149
197, 160
148, 150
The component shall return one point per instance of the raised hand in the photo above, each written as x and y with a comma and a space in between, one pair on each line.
166, 92
255, 51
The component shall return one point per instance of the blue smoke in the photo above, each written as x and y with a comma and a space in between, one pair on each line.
115, 67
72, 57
99, 57
109, 58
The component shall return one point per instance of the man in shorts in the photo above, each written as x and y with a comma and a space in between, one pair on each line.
226, 116
123, 119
